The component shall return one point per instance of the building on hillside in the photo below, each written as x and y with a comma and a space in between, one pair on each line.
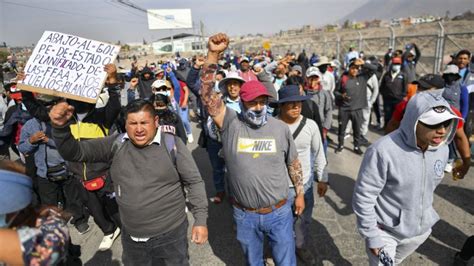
331, 27
373, 23
358, 25
183, 42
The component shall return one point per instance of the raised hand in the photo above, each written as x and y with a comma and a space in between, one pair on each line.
218, 43
111, 70
61, 113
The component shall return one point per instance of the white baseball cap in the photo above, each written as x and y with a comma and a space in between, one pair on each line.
159, 83
437, 115
313, 71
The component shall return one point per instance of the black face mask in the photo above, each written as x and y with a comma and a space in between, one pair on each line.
162, 112
81, 107
450, 79
323, 68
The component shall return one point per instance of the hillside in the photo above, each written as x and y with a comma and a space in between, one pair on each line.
387, 9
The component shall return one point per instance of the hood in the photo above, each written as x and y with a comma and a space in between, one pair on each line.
149, 71
419, 104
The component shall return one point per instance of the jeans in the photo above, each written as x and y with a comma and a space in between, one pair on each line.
217, 163
302, 223
170, 248
277, 226
183, 113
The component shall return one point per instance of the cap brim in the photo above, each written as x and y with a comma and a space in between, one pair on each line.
422, 84
253, 97
321, 64
297, 98
439, 118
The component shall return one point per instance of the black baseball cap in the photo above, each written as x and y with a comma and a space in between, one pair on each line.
429, 81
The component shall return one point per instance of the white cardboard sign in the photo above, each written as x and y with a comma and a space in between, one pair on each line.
68, 66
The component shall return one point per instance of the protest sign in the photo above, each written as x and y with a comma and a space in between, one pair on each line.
68, 66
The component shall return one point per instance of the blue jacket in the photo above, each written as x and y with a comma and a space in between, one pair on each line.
38, 150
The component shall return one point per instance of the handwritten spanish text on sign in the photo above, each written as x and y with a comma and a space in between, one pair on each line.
68, 66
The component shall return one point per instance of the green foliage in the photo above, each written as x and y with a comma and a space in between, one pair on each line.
3, 56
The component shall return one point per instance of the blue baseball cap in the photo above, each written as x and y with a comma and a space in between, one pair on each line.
15, 191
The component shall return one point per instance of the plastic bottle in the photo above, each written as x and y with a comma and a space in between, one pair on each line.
457, 164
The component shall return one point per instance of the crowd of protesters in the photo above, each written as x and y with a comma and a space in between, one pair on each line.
264, 123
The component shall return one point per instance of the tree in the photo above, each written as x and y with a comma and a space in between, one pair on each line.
347, 24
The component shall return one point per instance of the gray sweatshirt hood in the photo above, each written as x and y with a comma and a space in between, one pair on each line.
418, 105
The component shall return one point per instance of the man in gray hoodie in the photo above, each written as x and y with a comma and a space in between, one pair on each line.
393, 195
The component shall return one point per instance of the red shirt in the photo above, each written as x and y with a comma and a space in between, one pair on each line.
400, 111
181, 95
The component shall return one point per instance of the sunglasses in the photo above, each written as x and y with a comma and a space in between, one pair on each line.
444, 124
162, 88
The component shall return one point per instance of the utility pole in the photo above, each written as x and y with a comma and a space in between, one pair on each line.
201, 29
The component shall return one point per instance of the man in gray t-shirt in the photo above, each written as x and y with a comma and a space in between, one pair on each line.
261, 157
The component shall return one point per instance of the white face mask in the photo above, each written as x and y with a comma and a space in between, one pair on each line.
165, 93
396, 68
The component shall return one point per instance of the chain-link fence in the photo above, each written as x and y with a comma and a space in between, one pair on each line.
434, 43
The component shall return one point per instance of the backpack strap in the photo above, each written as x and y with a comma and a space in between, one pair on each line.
300, 127
170, 144
169, 140
118, 144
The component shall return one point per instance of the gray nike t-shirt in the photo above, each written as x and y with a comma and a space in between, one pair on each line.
257, 160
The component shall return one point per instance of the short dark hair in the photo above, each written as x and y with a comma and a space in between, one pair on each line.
220, 72
464, 51
138, 105
295, 80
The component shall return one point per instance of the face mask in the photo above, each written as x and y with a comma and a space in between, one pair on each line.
396, 68
450, 79
81, 107
323, 69
311, 92
165, 93
254, 118
162, 112
216, 86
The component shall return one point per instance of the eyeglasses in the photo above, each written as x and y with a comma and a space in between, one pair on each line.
444, 124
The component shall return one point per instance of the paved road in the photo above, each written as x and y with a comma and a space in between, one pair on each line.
335, 238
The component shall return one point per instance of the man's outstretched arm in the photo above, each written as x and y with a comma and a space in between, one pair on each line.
210, 99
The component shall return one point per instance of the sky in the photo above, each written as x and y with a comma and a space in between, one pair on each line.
22, 22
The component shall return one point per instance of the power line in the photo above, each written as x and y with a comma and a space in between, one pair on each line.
111, 2
129, 3
70, 13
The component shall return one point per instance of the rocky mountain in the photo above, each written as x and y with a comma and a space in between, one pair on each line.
387, 9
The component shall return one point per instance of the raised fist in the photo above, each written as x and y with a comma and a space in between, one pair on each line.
61, 113
218, 43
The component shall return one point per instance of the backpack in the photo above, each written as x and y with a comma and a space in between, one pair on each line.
170, 144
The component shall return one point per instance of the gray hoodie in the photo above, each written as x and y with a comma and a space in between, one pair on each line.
396, 182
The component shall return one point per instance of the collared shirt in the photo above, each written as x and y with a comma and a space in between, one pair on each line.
156, 139
235, 105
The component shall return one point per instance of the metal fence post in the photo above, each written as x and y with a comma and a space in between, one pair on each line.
338, 47
439, 49
392, 38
